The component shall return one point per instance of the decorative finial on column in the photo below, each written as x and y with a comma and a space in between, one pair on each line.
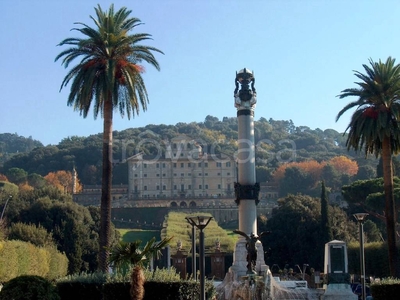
246, 97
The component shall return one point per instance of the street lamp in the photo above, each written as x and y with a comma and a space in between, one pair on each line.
201, 222
360, 217
4, 208
193, 249
304, 270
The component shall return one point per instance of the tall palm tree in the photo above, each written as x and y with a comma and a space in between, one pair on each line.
107, 77
125, 254
374, 126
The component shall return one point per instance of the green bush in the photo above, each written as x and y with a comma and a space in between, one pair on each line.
22, 258
179, 290
385, 289
29, 287
83, 286
80, 290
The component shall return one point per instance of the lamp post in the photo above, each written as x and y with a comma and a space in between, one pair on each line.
4, 208
193, 249
201, 222
304, 270
360, 217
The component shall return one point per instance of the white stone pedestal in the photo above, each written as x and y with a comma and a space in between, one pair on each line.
338, 291
239, 266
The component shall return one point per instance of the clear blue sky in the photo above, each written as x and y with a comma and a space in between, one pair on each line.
303, 53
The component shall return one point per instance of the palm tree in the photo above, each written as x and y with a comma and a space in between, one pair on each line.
374, 126
107, 77
125, 254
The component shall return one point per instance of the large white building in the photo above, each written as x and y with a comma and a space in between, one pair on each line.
184, 171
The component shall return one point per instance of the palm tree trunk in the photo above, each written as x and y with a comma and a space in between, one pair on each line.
390, 212
106, 183
137, 283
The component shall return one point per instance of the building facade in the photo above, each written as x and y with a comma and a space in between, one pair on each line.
184, 171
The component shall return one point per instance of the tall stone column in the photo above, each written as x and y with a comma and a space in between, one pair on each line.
246, 189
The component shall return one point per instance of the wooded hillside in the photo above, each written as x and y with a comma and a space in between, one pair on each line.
278, 142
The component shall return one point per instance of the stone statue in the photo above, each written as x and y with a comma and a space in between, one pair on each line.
251, 241
246, 97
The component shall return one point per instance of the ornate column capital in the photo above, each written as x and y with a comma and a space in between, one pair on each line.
247, 192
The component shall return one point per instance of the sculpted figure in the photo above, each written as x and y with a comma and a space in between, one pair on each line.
251, 241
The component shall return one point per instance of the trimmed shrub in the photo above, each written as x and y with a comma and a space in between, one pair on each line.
385, 289
22, 258
182, 290
80, 290
83, 286
29, 287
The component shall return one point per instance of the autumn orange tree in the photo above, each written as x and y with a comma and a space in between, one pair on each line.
64, 181
342, 165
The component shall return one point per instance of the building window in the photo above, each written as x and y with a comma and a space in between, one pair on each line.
174, 165
135, 175
136, 189
175, 187
145, 166
206, 165
229, 186
189, 174
164, 187
174, 174
199, 174
228, 174
219, 186
182, 187
199, 164
158, 175
157, 165
145, 187
189, 165
163, 165
228, 164
158, 187
206, 187
189, 187
219, 164
182, 174
163, 175
144, 175
205, 174
200, 187
219, 174
182, 165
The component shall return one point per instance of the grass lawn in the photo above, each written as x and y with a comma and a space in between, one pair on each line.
130, 235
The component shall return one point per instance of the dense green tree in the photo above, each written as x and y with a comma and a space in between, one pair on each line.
295, 231
13, 143
109, 75
369, 195
374, 126
296, 181
17, 175
36, 181
35, 234
372, 232
365, 172
71, 226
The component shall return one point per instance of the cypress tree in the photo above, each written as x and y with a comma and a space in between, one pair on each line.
326, 230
